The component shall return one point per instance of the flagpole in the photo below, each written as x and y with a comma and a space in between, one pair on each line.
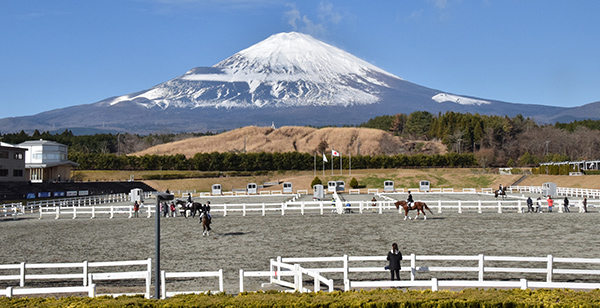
323, 165
315, 163
350, 163
340, 163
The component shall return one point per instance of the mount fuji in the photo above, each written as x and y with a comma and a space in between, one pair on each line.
287, 79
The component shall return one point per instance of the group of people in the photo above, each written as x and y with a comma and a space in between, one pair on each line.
550, 201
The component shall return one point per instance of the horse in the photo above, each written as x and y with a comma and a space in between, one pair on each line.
501, 193
205, 221
184, 206
419, 206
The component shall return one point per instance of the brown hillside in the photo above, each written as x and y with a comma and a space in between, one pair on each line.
254, 139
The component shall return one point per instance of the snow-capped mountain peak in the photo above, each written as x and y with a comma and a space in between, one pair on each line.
286, 69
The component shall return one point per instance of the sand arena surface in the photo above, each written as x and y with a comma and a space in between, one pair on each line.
249, 242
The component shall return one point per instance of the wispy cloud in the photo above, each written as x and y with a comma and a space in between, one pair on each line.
326, 15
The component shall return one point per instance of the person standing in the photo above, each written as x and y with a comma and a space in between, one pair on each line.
529, 205
566, 204
136, 209
394, 256
550, 203
538, 205
584, 204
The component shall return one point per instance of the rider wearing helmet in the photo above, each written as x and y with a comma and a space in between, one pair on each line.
409, 200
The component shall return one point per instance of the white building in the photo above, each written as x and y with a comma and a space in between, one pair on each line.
47, 161
12, 163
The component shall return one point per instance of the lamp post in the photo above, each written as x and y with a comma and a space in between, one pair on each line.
160, 197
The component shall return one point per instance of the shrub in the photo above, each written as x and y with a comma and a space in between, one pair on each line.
315, 181
353, 183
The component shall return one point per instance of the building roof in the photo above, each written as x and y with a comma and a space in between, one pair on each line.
10, 145
39, 142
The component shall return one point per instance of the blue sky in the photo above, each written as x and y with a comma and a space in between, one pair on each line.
61, 53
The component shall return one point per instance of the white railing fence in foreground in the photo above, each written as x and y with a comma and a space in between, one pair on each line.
503, 275
165, 275
85, 271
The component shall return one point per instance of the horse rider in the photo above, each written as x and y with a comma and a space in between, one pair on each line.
206, 210
409, 200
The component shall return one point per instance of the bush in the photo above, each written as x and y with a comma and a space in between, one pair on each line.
315, 181
353, 183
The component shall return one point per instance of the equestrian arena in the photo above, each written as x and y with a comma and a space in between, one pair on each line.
249, 242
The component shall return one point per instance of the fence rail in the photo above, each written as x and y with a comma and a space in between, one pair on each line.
165, 275
481, 265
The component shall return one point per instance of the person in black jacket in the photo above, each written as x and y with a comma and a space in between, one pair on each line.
394, 256
409, 200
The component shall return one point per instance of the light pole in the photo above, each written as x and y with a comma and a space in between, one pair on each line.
159, 197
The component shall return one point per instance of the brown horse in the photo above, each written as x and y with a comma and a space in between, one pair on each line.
205, 221
501, 193
419, 206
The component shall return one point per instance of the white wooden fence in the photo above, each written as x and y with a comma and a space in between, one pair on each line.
564, 191
70, 271
11, 209
279, 269
480, 265
164, 275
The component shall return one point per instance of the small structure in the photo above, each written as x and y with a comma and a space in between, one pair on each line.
331, 186
424, 185
136, 194
388, 186
12, 163
251, 188
549, 189
216, 189
47, 161
287, 188
318, 192
340, 186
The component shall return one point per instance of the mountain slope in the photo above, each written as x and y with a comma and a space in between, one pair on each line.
289, 79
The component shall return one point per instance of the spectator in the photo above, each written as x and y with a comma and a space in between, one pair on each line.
538, 205
584, 204
529, 205
136, 209
566, 204
550, 203
394, 256
173, 210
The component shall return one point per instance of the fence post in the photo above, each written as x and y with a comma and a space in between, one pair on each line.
481, 259
479, 206
112, 211
221, 288
163, 288
298, 279
74, 212
321, 206
148, 277
22, 274
524, 284
459, 207
439, 206
345, 267
549, 268
434, 284
224, 210
413, 266
278, 268
263, 209
9, 292
500, 207
92, 291
85, 273
241, 280
93, 212
57, 212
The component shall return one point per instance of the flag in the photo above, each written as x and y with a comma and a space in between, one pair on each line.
324, 157
335, 153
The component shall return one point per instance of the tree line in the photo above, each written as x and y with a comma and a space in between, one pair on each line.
227, 161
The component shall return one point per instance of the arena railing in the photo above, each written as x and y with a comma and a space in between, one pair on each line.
498, 267
164, 275
51, 272
279, 269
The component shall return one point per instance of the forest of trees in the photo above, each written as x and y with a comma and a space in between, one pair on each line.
480, 140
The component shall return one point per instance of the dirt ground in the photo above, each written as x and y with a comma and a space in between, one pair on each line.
249, 242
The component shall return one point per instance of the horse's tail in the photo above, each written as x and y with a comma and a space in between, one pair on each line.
427, 208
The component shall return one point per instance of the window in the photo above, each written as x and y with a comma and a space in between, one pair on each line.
3, 172
18, 155
18, 173
3, 154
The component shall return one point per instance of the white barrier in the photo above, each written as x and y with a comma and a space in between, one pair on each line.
565, 191
83, 272
165, 275
279, 269
10, 291
480, 265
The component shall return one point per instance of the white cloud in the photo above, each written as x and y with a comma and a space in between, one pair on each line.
326, 16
